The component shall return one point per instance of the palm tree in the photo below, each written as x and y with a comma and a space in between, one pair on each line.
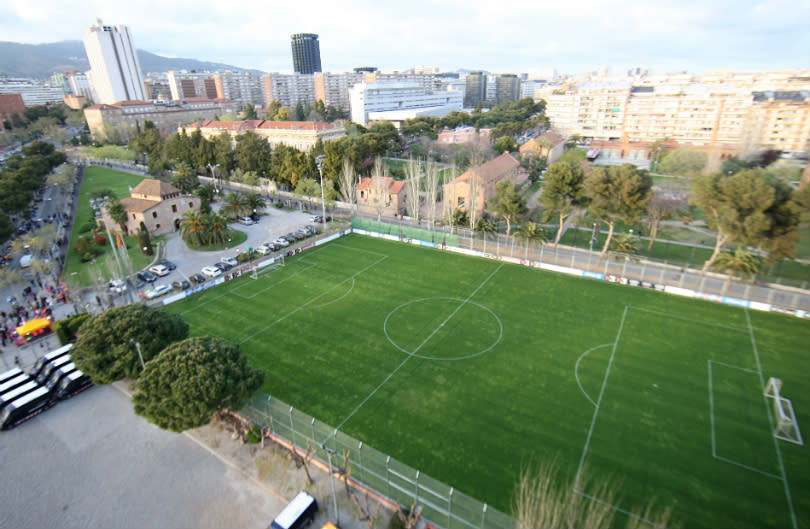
624, 244
235, 205
742, 262
192, 227
217, 228
255, 201
531, 232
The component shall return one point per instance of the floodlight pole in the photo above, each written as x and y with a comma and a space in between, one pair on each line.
319, 162
138, 348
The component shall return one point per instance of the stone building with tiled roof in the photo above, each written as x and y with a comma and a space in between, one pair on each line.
157, 204
549, 145
480, 181
382, 194
299, 134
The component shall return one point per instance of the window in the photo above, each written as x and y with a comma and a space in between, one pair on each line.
191, 205
154, 214
174, 208
157, 226
461, 202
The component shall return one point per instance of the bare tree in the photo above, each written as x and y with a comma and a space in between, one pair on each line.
348, 182
303, 460
541, 500
432, 190
472, 206
412, 517
413, 176
378, 179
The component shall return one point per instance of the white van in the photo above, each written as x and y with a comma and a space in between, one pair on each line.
298, 513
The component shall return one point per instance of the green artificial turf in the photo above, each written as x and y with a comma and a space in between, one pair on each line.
467, 369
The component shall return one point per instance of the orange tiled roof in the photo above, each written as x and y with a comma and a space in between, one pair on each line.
150, 186
253, 124
138, 204
389, 184
496, 169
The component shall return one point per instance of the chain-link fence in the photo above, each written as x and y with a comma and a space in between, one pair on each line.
442, 505
620, 267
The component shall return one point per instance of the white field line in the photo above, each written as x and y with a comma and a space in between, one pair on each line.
770, 420
316, 298
752, 469
693, 320
599, 400
230, 292
426, 340
711, 409
576, 369
358, 249
735, 367
615, 507
235, 291
336, 299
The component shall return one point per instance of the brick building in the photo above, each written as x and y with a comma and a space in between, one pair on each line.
480, 181
159, 205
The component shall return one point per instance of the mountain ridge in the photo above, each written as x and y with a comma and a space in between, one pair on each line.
39, 61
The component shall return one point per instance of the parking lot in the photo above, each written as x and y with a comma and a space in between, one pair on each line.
91, 462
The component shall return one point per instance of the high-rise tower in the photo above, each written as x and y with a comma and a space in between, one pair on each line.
306, 53
115, 73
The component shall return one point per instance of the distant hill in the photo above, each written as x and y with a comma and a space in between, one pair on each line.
39, 61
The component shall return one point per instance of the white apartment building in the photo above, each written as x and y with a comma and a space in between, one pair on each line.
289, 89
183, 84
243, 87
333, 88
80, 85
115, 72
32, 92
397, 102
745, 112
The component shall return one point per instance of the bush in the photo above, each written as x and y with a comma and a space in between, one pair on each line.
254, 434
66, 329
99, 240
279, 204
87, 226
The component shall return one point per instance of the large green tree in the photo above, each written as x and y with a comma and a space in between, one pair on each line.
683, 161
563, 192
507, 203
185, 178
252, 153
190, 380
618, 193
105, 351
505, 144
749, 208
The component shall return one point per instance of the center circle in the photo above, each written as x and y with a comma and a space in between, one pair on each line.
412, 326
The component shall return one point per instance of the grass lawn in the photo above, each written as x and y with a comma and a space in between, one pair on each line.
77, 273
467, 369
235, 238
803, 246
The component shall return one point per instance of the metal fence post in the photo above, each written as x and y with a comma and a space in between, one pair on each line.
484, 517
416, 488
362, 467
292, 427
312, 428
449, 506
387, 478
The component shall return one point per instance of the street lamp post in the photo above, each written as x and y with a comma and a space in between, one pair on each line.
138, 348
319, 161
330, 453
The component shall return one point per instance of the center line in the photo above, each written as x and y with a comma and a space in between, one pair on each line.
426, 340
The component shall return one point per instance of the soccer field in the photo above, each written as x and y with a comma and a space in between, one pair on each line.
467, 369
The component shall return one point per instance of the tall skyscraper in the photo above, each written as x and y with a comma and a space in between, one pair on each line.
476, 90
306, 53
115, 73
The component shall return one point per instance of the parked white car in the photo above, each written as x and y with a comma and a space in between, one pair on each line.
229, 260
157, 291
263, 250
281, 241
159, 270
118, 286
247, 221
211, 271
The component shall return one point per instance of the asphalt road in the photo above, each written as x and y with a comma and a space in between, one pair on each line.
91, 462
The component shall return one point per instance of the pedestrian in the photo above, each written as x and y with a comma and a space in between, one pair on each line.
17, 361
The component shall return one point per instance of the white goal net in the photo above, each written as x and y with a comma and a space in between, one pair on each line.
787, 429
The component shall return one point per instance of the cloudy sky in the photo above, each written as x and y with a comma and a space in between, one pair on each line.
495, 35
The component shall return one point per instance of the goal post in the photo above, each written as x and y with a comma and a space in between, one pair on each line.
787, 429
265, 267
